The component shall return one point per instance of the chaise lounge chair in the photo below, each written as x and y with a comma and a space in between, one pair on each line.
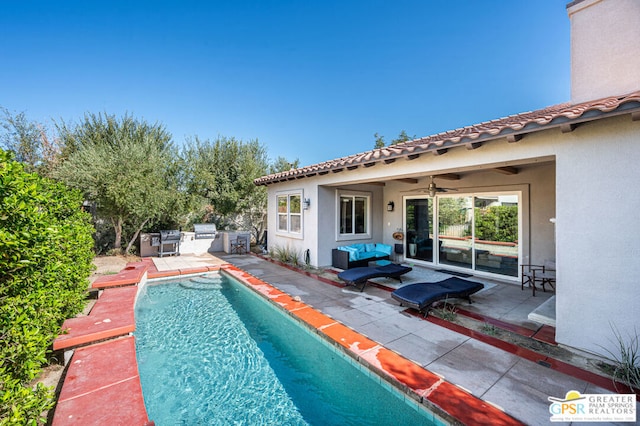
421, 296
360, 276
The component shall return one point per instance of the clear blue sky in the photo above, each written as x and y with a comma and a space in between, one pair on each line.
312, 80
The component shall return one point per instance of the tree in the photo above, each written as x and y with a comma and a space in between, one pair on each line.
126, 167
29, 142
380, 143
221, 173
402, 137
281, 164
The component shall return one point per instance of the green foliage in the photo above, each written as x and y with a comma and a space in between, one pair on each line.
21, 405
281, 164
497, 223
627, 360
128, 167
28, 141
490, 329
452, 211
447, 311
285, 254
379, 141
137, 180
402, 137
221, 174
45, 260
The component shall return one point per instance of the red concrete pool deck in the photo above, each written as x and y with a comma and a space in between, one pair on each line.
102, 387
132, 274
111, 316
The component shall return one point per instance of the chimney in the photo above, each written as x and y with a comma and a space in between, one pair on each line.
605, 48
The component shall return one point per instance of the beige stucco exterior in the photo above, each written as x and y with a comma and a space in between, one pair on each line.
605, 48
597, 178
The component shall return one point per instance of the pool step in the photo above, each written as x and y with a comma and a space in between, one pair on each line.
202, 283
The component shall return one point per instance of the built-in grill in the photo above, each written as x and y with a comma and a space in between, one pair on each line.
169, 238
205, 230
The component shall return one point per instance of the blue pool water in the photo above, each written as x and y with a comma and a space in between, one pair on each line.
210, 351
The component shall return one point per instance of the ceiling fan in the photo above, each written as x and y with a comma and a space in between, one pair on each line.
432, 189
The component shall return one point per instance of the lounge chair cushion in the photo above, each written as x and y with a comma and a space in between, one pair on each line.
356, 276
421, 295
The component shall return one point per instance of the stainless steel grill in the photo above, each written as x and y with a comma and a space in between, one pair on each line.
170, 238
205, 230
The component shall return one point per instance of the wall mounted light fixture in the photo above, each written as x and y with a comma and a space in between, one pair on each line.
306, 203
390, 206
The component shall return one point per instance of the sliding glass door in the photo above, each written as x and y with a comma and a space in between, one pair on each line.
496, 234
419, 226
455, 219
476, 231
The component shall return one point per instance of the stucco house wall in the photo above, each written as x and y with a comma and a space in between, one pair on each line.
598, 234
307, 238
604, 30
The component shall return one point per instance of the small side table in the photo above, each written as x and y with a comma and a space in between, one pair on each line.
374, 263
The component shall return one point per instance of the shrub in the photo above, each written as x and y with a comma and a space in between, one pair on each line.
286, 255
626, 367
45, 260
497, 223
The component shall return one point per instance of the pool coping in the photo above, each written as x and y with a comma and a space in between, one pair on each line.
446, 401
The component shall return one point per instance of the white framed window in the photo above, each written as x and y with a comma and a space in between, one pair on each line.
354, 215
289, 207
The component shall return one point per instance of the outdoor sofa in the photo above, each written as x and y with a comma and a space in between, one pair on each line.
358, 255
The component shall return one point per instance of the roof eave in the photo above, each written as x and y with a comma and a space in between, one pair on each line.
559, 116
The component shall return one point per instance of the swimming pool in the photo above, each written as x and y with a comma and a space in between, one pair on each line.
212, 351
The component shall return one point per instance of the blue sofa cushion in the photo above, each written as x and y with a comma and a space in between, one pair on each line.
366, 251
353, 251
367, 255
384, 248
360, 248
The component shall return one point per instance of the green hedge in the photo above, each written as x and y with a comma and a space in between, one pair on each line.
497, 223
45, 261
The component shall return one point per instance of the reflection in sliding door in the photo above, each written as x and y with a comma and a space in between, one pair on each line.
496, 234
455, 216
419, 225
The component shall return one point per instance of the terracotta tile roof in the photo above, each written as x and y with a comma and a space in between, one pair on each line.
514, 127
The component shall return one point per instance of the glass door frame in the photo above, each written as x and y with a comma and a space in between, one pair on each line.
523, 206
407, 243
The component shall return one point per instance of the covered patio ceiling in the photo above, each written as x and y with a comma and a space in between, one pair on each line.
510, 168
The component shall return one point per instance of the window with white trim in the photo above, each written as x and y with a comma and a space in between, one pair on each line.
289, 213
353, 215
